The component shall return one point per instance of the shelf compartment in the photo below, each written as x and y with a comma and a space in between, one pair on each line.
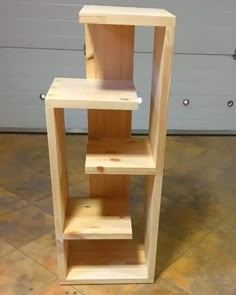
106, 262
97, 218
119, 156
92, 94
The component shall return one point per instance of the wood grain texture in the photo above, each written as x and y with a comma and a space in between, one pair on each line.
162, 66
92, 94
119, 156
111, 15
109, 55
161, 77
97, 218
56, 144
57, 156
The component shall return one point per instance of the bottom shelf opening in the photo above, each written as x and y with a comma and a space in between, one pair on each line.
110, 261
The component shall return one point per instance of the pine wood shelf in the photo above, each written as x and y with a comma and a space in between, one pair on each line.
119, 156
109, 15
92, 94
95, 240
97, 218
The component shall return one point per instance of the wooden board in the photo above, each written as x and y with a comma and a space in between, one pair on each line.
92, 94
119, 156
109, 55
122, 261
162, 66
92, 14
118, 274
97, 218
57, 156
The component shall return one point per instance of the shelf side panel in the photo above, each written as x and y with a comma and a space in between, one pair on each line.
109, 55
57, 157
162, 66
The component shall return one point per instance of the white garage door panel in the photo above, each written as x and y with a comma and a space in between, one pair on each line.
24, 74
202, 26
211, 77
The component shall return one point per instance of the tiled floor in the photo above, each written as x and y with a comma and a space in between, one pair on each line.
197, 239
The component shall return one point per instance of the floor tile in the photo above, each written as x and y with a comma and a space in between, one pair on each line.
9, 202
43, 250
186, 223
220, 243
45, 204
169, 248
57, 289
20, 275
196, 274
160, 287
29, 185
21, 227
5, 248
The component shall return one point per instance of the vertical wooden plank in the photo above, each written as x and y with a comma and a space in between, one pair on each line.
162, 66
161, 77
109, 55
56, 144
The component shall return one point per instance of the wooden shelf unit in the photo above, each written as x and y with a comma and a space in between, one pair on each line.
95, 242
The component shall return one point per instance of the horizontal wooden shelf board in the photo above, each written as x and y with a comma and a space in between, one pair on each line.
93, 14
105, 261
119, 156
92, 94
97, 218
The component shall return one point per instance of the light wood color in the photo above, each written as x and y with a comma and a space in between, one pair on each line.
100, 262
109, 55
92, 14
162, 66
81, 223
92, 94
119, 156
97, 218
58, 167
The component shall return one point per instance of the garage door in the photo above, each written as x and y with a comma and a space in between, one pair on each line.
41, 39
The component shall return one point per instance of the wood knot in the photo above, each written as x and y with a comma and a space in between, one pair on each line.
115, 159
100, 169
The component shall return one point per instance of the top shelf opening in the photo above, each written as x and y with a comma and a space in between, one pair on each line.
92, 14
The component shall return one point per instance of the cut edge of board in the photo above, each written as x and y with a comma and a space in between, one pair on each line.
115, 15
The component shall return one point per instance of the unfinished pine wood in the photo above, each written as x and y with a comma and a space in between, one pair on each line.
92, 14
162, 65
109, 55
161, 78
122, 261
119, 156
92, 94
56, 144
57, 156
97, 218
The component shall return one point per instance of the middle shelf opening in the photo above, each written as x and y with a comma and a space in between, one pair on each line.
97, 218
119, 156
